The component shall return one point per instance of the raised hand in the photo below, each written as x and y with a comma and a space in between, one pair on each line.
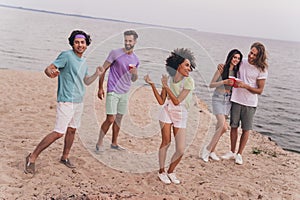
148, 80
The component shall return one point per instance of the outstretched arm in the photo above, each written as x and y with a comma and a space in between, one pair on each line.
159, 97
90, 79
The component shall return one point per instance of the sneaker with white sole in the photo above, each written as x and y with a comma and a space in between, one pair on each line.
164, 178
99, 148
228, 155
205, 154
213, 156
173, 178
117, 147
238, 159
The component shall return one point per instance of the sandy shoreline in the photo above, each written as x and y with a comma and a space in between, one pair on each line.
28, 113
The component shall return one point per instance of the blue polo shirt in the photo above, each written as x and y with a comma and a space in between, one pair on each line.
70, 80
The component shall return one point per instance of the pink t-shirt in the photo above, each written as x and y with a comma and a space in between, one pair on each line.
119, 78
249, 74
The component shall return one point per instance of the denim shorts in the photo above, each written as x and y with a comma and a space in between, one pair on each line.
221, 103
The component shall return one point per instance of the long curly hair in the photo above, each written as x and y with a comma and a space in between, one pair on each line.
177, 57
71, 39
236, 68
261, 57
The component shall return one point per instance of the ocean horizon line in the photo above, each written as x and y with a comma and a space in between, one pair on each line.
92, 17
137, 23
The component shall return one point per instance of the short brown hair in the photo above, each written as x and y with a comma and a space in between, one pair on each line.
131, 32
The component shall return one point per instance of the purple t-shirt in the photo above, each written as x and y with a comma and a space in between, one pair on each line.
119, 77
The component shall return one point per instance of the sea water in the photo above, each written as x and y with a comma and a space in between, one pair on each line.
32, 40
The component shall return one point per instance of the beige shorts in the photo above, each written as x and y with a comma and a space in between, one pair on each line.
176, 115
67, 115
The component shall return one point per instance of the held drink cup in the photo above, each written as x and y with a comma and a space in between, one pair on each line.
233, 80
131, 66
236, 83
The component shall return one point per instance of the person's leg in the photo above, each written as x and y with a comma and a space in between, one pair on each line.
235, 117
243, 141
116, 129
247, 116
104, 128
69, 139
121, 109
179, 134
165, 143
221, 127
233, 138
44, 143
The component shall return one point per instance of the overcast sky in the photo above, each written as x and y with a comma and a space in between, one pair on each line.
274, 19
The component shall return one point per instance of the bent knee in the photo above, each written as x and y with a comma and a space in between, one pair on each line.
57, 134
110, 120
224, 128
180, 150
165, 144
71, 130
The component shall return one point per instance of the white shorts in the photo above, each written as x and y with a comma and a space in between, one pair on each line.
67, 115
176, 115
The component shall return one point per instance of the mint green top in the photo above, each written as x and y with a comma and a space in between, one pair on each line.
72, 69
186, 83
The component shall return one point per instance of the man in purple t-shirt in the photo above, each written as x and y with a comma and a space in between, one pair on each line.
122, 64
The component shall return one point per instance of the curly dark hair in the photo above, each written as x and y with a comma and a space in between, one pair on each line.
177, 57
71, 39
236, 68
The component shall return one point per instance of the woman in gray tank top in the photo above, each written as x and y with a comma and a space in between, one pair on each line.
222, 81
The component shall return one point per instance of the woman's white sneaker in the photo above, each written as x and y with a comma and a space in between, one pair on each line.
164, 178
238, 159
205, 154
214, 156
173, 178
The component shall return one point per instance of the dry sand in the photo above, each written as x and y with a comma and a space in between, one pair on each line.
28, 102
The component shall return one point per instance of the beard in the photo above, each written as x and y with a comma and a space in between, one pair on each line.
129, 47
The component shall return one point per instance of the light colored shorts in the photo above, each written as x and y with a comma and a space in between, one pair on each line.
176, 115
67, 115
116, 103
242, 113
221, 103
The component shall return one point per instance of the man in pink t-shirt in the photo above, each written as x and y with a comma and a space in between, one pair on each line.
122, 64
252, 77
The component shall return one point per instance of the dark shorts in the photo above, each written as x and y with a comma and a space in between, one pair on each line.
242, 113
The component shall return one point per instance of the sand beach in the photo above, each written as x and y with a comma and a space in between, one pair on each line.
28, 102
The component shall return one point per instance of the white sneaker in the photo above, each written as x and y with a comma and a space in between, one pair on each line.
205, 154
238, 159
173, 178
164, 178
228, 155
214, 156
